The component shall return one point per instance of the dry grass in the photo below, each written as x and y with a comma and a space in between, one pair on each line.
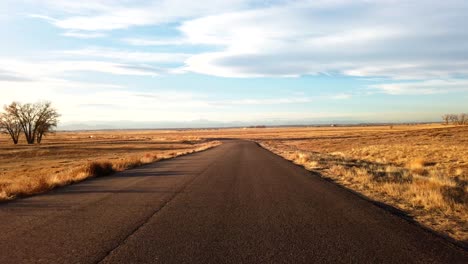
423, 172
67, 158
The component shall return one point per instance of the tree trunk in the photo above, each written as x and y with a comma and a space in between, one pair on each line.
13, 134
39, 138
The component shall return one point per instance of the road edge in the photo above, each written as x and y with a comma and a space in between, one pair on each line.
461, 245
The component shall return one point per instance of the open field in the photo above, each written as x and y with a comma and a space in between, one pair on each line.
236, 203
419, 169
423, 172
68, 157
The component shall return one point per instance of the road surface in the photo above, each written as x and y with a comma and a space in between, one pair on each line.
236, 203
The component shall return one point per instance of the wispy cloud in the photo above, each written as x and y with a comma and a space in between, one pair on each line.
263, 101
392, 39
12, 77
57, 68
155, 42
423, 87
341, 96
123, 55
83, 35
111, 15
298, 58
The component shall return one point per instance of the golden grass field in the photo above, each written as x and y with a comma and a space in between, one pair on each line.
419, 169
69, 157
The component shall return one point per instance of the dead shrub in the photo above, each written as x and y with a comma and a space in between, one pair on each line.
391, 174
417, 163
97, 169
303, 158
149, 158
128, 163
456, 194
417, 166
38, 185
41, 186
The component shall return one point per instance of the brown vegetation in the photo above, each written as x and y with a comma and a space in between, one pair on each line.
420, 169
423, 172
68, 157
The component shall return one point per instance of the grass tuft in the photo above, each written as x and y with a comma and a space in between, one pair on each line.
98, 169
417, 166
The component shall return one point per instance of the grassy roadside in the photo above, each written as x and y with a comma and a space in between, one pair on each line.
422, 176
43, 182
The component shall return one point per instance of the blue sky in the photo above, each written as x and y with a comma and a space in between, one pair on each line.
237, 60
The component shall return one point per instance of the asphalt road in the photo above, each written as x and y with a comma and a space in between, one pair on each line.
236, 203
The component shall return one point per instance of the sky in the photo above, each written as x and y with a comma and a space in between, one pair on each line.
236, 61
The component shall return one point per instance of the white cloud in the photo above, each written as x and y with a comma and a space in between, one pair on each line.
205, 63
82, 35
341, 96
422, 43
110, 15
423, 87
78, 7
264, 101
392, 39
49, 69
419, 70
154, 42
122, 55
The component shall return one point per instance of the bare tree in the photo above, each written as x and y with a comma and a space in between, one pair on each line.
446, 118
454, 118
9, 124
35, 119
462, 119
47, 123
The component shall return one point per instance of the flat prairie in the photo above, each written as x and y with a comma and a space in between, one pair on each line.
68, 157
421, 170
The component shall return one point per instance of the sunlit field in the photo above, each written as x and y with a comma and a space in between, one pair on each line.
419, 169
68, 157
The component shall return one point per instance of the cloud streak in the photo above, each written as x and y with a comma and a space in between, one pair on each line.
391, 39
83, 35
423, 87
132, 56
104, 15
400, 40
30, 69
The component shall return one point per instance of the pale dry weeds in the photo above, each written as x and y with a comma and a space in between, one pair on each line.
421, 169
26, 170
423, 173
